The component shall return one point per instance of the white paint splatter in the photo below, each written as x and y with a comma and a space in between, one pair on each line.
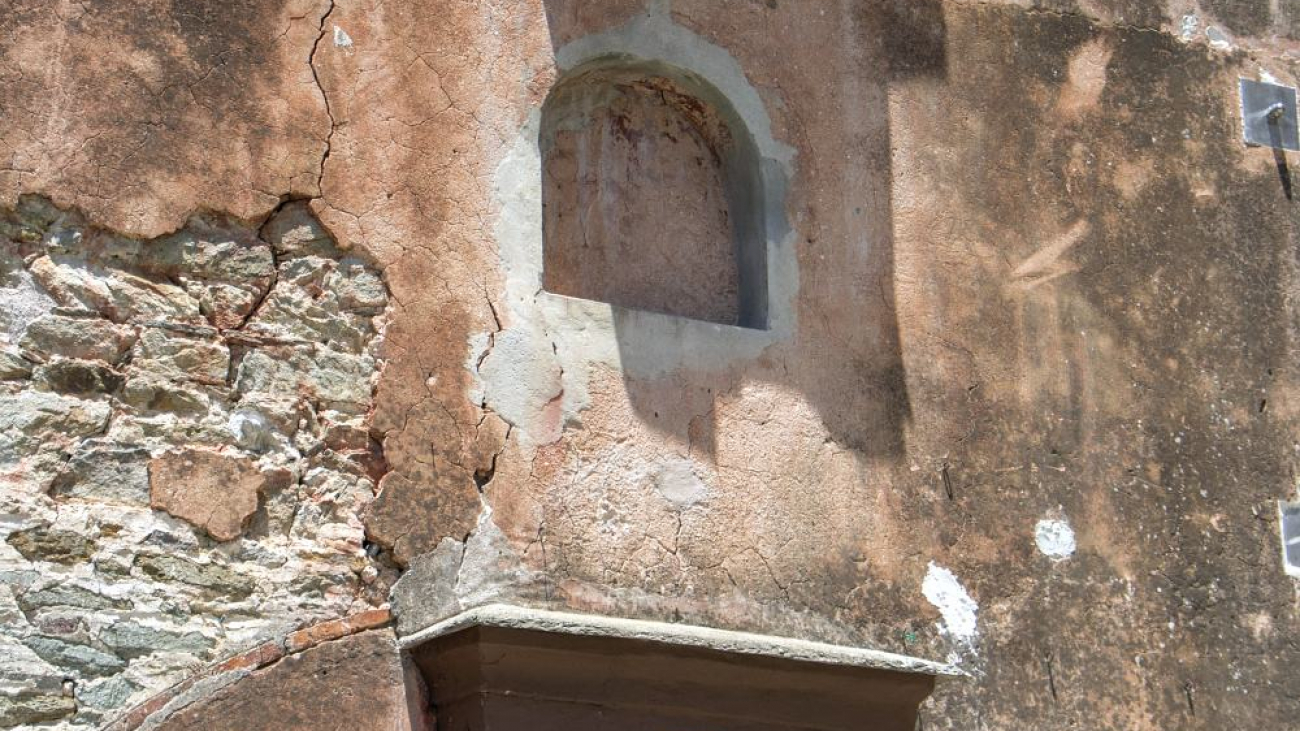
1055, 538
341, 38
942, 589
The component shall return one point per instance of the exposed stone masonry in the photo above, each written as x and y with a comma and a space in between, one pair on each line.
184, 455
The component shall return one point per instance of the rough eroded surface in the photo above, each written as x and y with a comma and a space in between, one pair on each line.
357, 682
218, 375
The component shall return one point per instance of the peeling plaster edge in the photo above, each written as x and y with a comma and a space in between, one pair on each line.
507, 616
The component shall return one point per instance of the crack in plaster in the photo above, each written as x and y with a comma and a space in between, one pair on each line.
329, 111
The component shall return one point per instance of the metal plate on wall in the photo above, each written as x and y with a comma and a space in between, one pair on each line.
1268, 114
1290, 519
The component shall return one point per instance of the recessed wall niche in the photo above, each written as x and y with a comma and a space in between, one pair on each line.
652, 195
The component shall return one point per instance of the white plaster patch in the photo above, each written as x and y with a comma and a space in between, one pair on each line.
251, 430
22, 301
1218, 39
677, 482
942, 589
1055, 539
341, 38
522, 383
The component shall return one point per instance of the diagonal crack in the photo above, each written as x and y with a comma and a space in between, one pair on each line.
329, 112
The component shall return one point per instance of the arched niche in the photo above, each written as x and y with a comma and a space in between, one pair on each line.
652, 194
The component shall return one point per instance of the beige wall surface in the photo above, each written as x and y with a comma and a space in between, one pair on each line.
1025, 402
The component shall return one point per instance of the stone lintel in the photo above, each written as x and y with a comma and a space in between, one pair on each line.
504, 667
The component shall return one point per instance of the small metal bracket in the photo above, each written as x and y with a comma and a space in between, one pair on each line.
1268, 115
1289, 517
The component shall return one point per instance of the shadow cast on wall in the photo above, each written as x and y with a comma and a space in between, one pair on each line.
843, 350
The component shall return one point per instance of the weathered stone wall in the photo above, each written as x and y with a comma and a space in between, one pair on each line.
1026, 401
184, 454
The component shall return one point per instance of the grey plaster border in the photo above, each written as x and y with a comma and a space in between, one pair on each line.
654, 39
508, 616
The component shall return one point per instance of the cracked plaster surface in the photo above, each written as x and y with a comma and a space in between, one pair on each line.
912, 414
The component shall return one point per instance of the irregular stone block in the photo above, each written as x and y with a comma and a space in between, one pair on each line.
303, 313
82, 659
58, 546
227, 306
22, 669
68, 595
106, 473
87, 338
26, 709
340, 380
217, 579
212, 248
215, 492
282, 412
78, 377
174, 356
295, 231
223, 265
118, 295
254, 432
348, 436
159, 426
130, 640
36, 413
358, 287
426, 592
147, 393
61, 623
21, 300
109, 694
13, 366
307, 273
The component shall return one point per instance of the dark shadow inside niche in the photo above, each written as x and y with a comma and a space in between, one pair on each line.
652, 195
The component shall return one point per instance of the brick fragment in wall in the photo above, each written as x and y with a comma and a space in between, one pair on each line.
242, 373
212, 491
329, 672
